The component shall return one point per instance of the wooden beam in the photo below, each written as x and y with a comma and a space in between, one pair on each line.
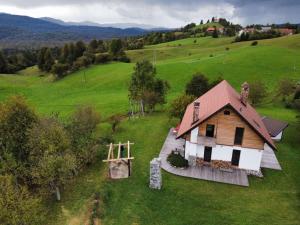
109, 151
116, 160
128, 149
112, 152
119, 150
125, 144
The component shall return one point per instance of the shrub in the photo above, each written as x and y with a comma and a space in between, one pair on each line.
102, 58
179, 105
175, 159
297, 94
254, 43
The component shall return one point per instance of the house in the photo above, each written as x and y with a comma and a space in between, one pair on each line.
266, 29
275, 127
285, 31
222, 127
210, 30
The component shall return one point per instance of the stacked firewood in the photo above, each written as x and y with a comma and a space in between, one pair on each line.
218, 164
199, 161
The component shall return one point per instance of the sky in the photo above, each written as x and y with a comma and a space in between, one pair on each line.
160, 13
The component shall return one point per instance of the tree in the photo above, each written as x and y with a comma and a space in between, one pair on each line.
115, 120
79, 49
116, 47
145, 87
93, 45
17, 205
41, 58
72, 54
48, 61
215, 33
258, 92
51, 158
16, 118
197, 86
64, 54
45, 59
216, 82
81, 128
60, 69
286, 87
178, 105
3, 63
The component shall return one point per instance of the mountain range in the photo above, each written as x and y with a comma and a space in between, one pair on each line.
115, 25
24, 31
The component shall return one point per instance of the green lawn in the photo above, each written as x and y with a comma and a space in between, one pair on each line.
272, 200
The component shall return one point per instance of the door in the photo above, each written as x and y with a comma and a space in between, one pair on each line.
239, 134
210, 130
235, 160
207, 154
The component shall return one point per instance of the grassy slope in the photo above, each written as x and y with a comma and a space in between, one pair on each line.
272, 200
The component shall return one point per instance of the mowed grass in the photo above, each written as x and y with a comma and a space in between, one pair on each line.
271, 200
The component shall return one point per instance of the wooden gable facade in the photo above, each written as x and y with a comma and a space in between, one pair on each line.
225, 123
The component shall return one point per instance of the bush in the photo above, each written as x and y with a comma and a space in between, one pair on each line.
254, 43
102, 58
60, 69
178, 105
175, 159
297, 94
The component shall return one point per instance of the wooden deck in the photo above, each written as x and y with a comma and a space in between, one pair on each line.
269, 160
237, 177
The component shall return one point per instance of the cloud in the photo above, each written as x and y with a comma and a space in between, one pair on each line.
172, 13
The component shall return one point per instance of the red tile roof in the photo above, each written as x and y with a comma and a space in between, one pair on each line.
217, 98
210, 29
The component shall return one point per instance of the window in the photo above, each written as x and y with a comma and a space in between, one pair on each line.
226, 112
239, 133
210, 130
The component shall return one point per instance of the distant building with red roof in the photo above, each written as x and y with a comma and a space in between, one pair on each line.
222, 128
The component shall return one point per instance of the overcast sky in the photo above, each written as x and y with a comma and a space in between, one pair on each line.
167, 13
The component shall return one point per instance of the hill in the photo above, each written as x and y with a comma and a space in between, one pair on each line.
115, 25
24, 31
182, 200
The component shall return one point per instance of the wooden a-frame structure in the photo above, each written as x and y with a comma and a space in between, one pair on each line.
120, 165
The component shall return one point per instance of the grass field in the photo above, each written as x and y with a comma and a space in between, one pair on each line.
272, 200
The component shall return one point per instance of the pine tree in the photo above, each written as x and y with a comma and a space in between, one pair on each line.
79, 49
49, 61
64, 54
41, 58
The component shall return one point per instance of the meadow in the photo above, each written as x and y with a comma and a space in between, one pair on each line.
271, 200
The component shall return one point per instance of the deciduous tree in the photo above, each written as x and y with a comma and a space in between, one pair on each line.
178, 105
197, 86
17, 205
51, 158
258, 92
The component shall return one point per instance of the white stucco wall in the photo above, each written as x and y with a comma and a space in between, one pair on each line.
194, 135
278, 137
250, 159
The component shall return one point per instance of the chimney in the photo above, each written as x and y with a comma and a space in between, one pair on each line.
245, 93
196, 111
